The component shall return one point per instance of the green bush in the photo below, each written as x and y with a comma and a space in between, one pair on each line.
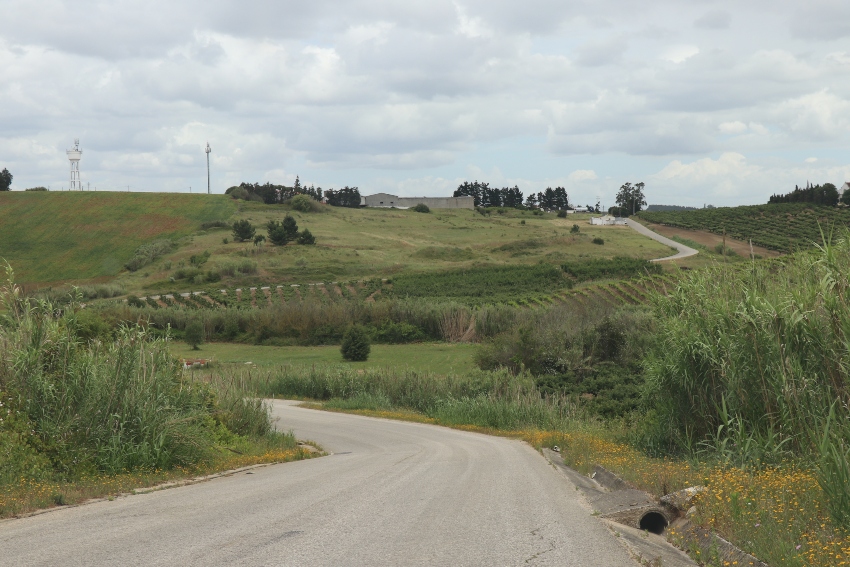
598, 240
575, 229
304, 204
306, 238
421, 208
194, 334
562, 214
355, 344
147, 253
242, 230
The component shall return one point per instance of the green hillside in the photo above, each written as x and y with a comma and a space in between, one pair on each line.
56, 236
785, 227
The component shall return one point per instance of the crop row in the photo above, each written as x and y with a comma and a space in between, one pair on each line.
783, 226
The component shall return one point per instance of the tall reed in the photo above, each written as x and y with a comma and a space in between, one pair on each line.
751, 361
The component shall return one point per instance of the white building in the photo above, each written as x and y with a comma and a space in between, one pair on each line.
842, 189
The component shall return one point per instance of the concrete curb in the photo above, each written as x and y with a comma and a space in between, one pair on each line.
618, 503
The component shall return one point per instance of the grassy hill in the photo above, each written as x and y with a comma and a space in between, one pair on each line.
358, 244
52, 237
785, 227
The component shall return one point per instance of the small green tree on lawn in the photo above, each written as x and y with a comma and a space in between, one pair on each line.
355, 344
194, 334
306, 237
242, 230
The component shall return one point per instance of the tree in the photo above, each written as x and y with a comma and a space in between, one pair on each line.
282, 232
345, 197
630, 199
194, 334
306, 237
242, 230
5, 180
355, 344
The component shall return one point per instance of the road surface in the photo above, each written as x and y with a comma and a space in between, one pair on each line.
393, 493
684, 251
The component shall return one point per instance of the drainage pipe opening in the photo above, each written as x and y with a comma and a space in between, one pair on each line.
653, 522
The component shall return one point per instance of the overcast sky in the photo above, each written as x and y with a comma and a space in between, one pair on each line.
705, 101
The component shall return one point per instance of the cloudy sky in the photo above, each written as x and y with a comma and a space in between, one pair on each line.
705, 101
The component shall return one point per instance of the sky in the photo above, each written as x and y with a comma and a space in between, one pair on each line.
706, 102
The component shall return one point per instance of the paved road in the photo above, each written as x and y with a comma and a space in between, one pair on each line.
393, 493
684, 251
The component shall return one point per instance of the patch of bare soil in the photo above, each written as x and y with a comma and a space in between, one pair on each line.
710, 240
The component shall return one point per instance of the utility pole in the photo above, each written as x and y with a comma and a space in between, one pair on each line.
208, 150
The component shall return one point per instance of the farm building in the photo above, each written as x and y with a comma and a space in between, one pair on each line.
387, 200
607, 220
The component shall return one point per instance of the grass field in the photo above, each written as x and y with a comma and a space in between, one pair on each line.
56, 237
439, 358
366, 243
63, 236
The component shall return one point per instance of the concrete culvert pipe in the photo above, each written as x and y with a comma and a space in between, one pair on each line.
653, 522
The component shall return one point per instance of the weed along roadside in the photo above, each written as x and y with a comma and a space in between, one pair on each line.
87, 419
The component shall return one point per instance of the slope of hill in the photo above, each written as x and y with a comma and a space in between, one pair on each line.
785, 227
62, 236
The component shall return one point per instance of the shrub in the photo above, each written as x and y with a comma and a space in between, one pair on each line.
306, 237
199, 259
598, 240
134, 301
355, 344
562, 214
575, 229
421, 208
304, 204
242, 230
36, 189
237, 193
194, 334
147, 253
214, 224
724, 250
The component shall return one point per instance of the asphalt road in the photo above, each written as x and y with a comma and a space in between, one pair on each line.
684, 251
393, 493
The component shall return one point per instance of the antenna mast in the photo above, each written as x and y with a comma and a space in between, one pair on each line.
208, 150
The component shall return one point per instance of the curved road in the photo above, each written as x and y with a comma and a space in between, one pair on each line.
684, 251
393, 493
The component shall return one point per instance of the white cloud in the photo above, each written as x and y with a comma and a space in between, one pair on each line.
582, 175
679, 53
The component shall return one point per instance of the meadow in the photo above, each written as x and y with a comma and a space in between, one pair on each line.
438, 358
62, 237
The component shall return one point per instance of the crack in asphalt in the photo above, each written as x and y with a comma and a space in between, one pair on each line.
551, 542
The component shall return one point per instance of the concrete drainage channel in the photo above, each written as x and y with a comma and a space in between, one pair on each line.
641, 520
